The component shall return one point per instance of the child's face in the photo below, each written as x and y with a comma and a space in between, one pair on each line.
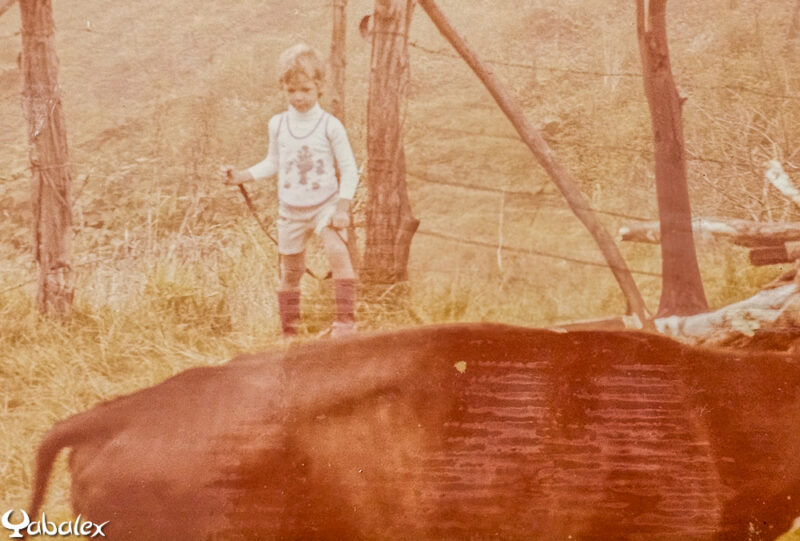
301, 92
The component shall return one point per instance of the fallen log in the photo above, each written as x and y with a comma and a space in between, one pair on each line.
739, 232
744, 318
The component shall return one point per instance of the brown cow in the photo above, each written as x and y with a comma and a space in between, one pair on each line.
466, 431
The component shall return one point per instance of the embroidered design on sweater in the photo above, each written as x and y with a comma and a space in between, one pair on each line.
320, 171
305, 163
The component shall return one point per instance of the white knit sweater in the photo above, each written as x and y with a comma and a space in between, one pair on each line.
303, 148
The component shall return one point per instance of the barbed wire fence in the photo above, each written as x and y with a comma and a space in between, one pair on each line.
495, 240
456, 239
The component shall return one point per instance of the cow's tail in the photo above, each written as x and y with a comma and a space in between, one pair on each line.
67, 433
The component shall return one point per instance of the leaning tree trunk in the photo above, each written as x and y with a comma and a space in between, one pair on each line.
49, 157
390, 224
682, 287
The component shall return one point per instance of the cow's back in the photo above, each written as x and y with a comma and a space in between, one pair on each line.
459, 432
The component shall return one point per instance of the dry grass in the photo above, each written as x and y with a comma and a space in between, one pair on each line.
171, 272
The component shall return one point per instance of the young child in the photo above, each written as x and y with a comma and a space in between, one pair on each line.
306, 144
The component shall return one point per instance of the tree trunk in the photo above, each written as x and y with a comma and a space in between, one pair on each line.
546, 158
49, 157
682, 287
390, 224
338, 58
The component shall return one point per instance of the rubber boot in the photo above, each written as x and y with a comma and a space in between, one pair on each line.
289, 310
345, 323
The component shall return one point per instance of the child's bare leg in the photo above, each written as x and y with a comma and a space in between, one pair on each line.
344, 280
338, 256
292, 269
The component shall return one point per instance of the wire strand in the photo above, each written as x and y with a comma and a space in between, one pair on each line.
527, 251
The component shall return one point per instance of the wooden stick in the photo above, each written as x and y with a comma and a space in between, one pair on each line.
546, 158
252, 208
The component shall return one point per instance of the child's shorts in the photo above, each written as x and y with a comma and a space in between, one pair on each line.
296, 224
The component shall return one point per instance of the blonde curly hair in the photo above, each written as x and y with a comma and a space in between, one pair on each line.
301, 59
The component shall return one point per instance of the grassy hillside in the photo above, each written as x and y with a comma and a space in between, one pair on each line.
172, 272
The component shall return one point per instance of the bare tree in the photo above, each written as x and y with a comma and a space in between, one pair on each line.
682, 287
49, 157
390, 224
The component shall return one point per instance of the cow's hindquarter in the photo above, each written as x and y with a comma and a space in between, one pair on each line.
170, 470
355, 434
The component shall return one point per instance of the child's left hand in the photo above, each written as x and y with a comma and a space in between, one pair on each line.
340, 219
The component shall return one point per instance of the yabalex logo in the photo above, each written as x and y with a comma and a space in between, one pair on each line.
77, 527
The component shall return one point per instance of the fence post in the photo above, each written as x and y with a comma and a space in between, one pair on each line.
50, 169
390, 224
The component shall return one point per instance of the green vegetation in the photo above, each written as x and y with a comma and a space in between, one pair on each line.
172, 272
